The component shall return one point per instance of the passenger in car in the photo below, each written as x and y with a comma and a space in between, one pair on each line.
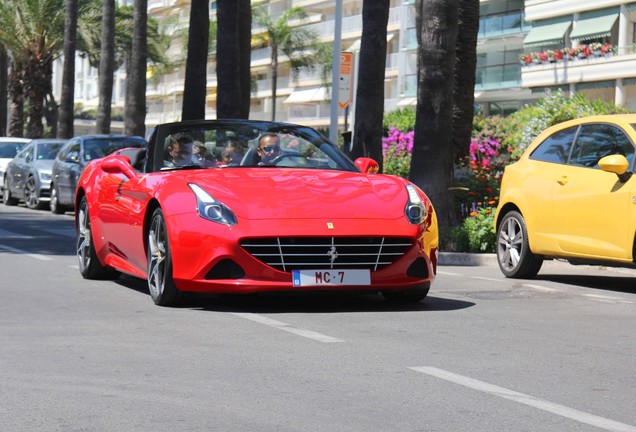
200, 155
232, 152
179, 150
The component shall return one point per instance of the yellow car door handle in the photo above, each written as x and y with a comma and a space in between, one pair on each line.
563, 180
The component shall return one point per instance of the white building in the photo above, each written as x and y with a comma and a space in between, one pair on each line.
508, 28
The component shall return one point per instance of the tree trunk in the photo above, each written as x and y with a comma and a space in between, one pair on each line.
465, 64
367, 136
135, 107
195, 85
274, 78
432, 162
37, 84
106, 68
245, 57
228, 59
4, 93
66, 117
16, 93
51, 112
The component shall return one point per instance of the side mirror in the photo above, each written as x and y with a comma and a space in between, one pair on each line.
616, 164
367, 165
118, 165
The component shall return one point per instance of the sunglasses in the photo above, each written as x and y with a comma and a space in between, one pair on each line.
270, 148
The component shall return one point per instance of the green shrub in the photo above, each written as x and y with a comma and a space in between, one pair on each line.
480, 230
402, 119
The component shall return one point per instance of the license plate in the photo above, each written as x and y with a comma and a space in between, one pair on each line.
331, 277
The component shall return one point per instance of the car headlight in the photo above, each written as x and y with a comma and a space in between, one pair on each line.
45, 176
415, 211
211, 209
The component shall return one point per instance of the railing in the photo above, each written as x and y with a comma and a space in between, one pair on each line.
502, 24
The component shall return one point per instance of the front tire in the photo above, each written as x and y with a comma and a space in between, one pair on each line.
514, 256
32, 195
161, 285
7, 198
55, 205
89, 264
408, 296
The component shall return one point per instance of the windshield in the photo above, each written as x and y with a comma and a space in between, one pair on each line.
48, 151
251, 144
8, 150
95, 148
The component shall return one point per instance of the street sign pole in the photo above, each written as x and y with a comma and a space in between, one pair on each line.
335, 73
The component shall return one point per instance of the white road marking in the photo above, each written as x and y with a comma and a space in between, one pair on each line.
288, 328
448, 273
606, 299
23, 252
4, 234
563, 411
540, 288
487, 279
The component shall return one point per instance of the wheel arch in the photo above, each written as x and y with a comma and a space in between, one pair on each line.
153, 205
508, 207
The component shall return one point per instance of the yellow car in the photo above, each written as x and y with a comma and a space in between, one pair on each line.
572, 195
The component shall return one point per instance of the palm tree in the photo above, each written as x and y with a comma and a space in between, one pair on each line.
32, 33
296, 43
195, 84
367, 136
106, 68
432, 161
65, 121
233, 58
135, 109
4, 65
464, 94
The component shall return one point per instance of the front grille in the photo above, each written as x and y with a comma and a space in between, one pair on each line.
297, 253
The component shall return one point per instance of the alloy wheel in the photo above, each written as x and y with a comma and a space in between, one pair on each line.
510, 244
157, 268
31, 195
83, 238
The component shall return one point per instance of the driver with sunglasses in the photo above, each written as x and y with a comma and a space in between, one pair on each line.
268, 148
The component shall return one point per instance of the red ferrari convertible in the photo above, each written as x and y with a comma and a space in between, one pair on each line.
243, 206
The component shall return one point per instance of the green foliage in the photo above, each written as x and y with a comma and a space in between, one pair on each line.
402, 119
480, 230
475, 234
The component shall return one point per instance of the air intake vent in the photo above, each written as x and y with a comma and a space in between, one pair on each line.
296, 253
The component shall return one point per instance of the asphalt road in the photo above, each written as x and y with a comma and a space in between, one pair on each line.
480, 353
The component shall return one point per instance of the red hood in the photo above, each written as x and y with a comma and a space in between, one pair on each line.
263, 193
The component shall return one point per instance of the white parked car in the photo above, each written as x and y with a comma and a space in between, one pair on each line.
9, 147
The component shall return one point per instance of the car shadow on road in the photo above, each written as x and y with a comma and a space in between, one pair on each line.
612, 282
311, 302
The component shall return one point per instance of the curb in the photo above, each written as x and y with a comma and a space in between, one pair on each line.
466, 259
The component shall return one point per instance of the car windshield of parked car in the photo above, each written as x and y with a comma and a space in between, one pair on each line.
95, 148
48, 151
9, 149
258, 145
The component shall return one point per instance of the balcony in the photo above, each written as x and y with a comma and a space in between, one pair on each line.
591, 69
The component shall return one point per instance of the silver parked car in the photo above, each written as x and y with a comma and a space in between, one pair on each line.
73, 157
28, 174
9, 147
